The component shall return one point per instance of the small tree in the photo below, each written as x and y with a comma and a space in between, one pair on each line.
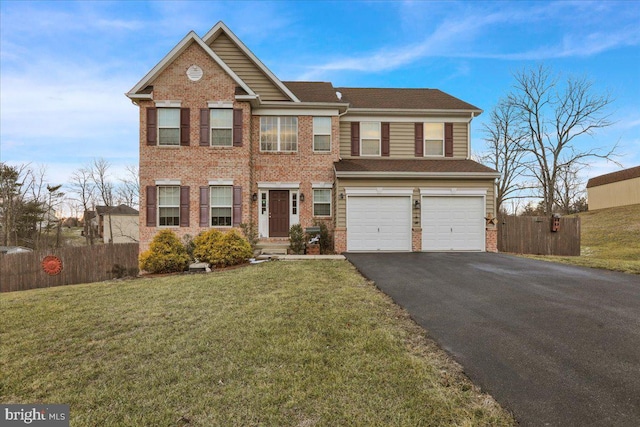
296, 239
165, 254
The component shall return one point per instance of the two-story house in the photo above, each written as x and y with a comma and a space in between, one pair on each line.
223, 141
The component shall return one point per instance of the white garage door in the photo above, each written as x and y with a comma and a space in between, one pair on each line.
453, 223
379, 223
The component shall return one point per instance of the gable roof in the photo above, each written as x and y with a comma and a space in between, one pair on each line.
140, 90
612, 177
221, 28
403, 98
116, 210
412, 167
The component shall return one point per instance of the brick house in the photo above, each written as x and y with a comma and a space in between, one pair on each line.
223, 141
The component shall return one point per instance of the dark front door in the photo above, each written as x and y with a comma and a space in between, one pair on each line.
278, 213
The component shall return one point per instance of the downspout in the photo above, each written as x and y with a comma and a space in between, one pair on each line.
469, 137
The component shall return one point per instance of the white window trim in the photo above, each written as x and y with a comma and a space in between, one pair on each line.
211, 205
169, 127
321, 134
330, 203
379, 140
211, 128
167, 206
168, 104
424, 141
220, 104
279, 142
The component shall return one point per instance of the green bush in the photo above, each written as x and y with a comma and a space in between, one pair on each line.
326, 243
297, 239
165, 254
221, 250
204, 245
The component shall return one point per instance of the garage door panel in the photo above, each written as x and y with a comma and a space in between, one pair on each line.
379, 223
452, 223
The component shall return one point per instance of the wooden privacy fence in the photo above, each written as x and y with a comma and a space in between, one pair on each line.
84, 264
533, 235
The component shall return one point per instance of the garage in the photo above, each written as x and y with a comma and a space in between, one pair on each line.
379, 223
453, 223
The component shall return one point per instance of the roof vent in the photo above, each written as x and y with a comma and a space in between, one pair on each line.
339, 95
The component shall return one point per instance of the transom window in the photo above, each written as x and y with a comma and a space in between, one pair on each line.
322, 202
168, 126
278, 133
322, 134
370, 138
221, 199
169, 206
221, 127
434, 139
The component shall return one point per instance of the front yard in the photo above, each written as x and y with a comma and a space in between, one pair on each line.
282, 343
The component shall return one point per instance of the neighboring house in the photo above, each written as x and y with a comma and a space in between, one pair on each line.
223, 141
125, 223
614, 189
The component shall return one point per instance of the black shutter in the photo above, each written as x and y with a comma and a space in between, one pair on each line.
237, 127
384, 128
185, 121
152, 126
419, 140
237, 206
205, 133
355, 138
184, 206
448, 139
151, 206
204, 207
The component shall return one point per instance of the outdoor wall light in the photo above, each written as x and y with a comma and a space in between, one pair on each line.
254, 197
302, 197
416, 203
341, 196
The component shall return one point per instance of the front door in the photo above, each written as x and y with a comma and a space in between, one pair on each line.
278, 213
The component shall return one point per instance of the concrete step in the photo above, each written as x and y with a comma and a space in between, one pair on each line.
273, 248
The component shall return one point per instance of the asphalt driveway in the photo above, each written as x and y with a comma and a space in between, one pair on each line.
557, 345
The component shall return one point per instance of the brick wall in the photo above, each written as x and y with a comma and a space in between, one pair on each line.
195, 166
491, 239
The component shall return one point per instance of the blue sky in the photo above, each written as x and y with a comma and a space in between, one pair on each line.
65, 66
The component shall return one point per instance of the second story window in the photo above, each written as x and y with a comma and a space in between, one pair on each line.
434, 139
278, 133
221, 127
370, 138
322, 134
168, 126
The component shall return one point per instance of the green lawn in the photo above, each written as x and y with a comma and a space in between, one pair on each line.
610, 239
277, 344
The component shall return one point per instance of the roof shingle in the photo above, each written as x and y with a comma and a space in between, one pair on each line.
612, 177
411, 165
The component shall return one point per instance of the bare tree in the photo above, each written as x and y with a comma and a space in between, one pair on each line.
504, 135
104, 187
82, 185
555, 116
128, 191
570, 189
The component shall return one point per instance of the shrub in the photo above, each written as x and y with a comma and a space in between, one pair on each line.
189, 246
222, 250
296, 239
204, 245
326, 243
250, 231
165, 254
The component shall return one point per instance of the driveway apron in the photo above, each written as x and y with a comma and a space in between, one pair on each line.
557, 345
